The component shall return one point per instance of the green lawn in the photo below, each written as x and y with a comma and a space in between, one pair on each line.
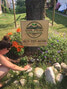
7, 23
60, 23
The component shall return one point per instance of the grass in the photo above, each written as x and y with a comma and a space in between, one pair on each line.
60, 23
7, 25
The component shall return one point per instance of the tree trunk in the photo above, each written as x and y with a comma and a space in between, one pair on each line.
34, 11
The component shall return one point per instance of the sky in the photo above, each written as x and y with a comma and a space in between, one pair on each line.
10, 0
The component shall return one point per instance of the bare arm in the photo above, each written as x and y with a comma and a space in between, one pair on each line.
14, 61
10, 65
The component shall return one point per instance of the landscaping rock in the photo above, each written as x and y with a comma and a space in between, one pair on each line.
7, 81
59, 77
22, 82
16, 82
55, 70
50, 76
38, 72
29, 70
36, 82
37, 60
64, 67
30, 74
17, 72
8, 75
57, 66
31, 61
12, 76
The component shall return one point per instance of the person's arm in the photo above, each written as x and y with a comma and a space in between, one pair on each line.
15, 61
10, 65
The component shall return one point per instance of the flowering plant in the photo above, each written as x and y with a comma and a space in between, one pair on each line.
17, 47
56, 49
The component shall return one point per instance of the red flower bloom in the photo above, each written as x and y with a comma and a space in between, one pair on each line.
18, 49
18, 30
10, 33
15, 44
21, 46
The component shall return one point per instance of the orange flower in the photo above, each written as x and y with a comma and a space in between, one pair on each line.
18, 30
18, 49
15, 44
10, 33
21, 46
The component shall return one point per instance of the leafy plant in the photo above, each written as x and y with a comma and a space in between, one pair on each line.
17, 48
56, 49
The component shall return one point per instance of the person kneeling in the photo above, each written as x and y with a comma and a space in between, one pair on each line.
5, 62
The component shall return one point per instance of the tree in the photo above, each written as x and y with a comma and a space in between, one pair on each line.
4, 2
20, 6
3, 5
34, 11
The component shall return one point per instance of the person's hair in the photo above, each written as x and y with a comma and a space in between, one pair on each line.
5, 43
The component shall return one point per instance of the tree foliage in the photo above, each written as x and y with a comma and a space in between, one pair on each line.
20, 6
4, 1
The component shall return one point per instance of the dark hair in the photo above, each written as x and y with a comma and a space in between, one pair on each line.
5, 43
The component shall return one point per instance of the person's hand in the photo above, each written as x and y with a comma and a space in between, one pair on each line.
27, 67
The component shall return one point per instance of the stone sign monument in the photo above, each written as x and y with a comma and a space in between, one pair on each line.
34, 32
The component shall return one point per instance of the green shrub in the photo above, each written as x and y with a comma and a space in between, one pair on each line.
20, 6
5, 9
21, 9
17, 48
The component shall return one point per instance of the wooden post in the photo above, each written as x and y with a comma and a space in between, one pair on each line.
53, 12
45, 9
14, 13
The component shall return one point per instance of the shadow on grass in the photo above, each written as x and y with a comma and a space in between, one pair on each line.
20, 18
2, 26
12, 80
62, 85
10, 25
58, 18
